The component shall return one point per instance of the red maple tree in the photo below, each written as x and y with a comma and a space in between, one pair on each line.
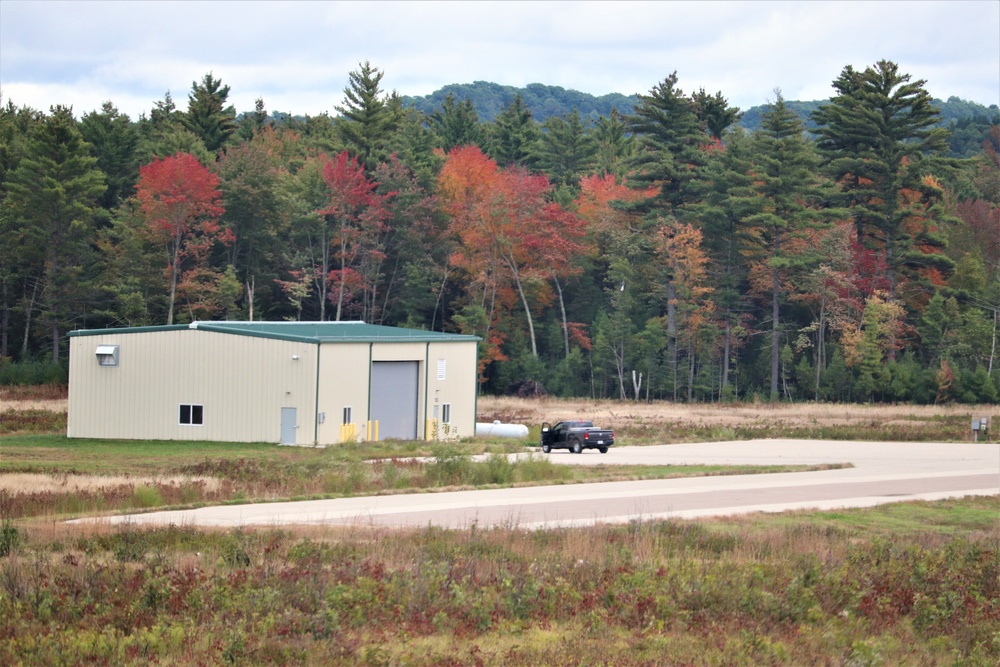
180, 200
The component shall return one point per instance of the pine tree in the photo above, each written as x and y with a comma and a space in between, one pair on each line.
671, 141
615, 145
725, 198
367, 119
16, 126
456, 124
788, 194
876, 135
114, 141
51, 202
513, 135
208, 117
565, 151
714, 111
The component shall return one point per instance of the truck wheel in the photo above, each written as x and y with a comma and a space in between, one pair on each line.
546, 449
604, 450
576, 447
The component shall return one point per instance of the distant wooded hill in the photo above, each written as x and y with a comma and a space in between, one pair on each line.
968, 121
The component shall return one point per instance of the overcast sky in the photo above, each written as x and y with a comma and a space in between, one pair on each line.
297, 55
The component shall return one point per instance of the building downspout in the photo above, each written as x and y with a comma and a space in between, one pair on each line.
369, 408
427, 377
319, 346
475, 388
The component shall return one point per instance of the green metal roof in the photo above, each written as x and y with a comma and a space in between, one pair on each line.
305, 332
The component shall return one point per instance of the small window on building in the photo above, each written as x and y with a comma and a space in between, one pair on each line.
192, 415
441, 369
446, 413
347, 416
107, 355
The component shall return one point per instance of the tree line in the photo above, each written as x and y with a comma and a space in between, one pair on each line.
665, 253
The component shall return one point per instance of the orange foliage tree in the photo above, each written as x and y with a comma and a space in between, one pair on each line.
509, 235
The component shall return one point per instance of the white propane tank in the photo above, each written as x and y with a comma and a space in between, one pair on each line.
498, 430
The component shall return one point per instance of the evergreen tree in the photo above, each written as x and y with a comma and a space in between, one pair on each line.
252, 123
456, 124
248, 183
671, 141
208, 117
50, 205
615, 145
16, 126
876, 135
565, 151
367, 118
669, 158
164, 134
725, 199
714, 111
788, 194
513, 135
414, 144
114, 141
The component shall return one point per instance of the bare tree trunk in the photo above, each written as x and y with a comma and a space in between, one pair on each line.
690, 393
343, 269
251, 283
672, 331
28, 312
54, 332
4, 319
562, 309
439, 296
725, 353
775, 347
174, 273
993, 349
820, 356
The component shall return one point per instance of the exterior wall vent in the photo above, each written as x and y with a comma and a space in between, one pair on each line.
107, 355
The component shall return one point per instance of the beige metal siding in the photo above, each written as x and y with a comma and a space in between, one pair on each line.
458, 388
242, 382
343, 381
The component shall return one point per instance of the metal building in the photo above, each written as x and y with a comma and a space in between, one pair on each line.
297, 383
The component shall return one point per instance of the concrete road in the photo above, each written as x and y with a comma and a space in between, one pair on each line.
881, 473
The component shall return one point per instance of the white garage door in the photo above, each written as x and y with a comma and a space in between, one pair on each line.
394, 398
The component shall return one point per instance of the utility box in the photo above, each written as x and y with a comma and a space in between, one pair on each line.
980, 425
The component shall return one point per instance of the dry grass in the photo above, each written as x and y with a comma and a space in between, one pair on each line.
622, 415
51, 397
15, 483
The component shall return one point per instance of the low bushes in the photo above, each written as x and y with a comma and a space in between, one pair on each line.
640, 594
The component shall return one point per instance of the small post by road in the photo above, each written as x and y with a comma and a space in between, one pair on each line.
980, 424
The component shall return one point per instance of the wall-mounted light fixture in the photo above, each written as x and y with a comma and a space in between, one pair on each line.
295, 357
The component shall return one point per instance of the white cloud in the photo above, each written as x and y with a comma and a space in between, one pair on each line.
297, 55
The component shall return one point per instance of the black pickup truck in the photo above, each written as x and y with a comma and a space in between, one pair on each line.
575, 436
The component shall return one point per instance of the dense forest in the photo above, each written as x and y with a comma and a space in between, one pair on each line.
968, 123
842, 252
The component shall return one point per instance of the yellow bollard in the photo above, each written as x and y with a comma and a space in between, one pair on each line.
376, 430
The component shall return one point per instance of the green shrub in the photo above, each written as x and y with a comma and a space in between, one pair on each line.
146, 496
496, 470
10, 538
33, 373
449, 468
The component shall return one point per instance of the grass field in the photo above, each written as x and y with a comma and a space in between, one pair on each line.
899, 584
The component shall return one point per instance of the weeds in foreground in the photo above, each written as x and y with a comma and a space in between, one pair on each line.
641, 594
